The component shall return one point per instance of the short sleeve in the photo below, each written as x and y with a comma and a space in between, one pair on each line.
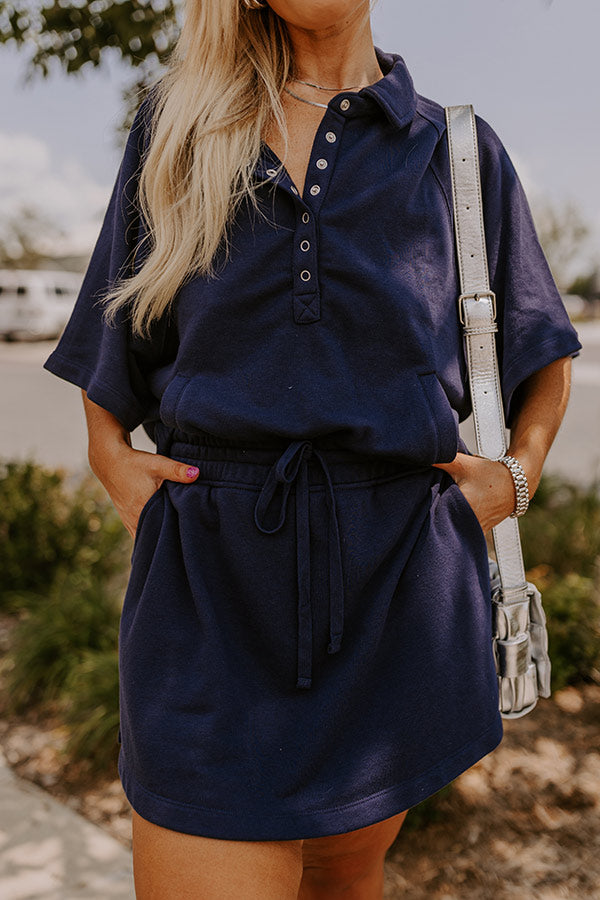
107, 361
534, 328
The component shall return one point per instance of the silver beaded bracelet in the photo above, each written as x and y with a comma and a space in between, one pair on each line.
521, 486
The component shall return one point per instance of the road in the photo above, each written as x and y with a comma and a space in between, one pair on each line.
43, 416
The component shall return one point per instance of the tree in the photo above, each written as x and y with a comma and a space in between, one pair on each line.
73, 34
587, 285
563, 234
26, 240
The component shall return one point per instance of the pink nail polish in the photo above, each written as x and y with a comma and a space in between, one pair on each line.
192, 472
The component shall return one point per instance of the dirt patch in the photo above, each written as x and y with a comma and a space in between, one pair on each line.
524, 822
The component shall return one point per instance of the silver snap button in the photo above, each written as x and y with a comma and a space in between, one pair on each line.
271, 172
305, 218
330, 136
345, 104
305, 275
294, 189
315, 189
321, 164
305, 245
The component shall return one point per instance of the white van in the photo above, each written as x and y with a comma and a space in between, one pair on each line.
36, 304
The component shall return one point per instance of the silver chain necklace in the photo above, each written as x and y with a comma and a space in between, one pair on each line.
320, 87
304, 100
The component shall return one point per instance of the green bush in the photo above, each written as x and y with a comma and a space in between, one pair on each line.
561, 549
92, 709
573, 616
562, 528
63, 566
54, 636
46, 529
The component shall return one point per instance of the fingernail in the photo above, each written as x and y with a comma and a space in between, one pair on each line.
192, 472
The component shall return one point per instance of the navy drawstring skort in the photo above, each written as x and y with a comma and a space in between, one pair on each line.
305, 641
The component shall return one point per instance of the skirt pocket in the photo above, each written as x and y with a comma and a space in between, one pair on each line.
466, 510
143, 513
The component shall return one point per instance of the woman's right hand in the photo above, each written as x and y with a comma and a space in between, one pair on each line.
129, 476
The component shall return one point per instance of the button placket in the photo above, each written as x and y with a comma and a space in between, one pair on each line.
322, 158
307, 300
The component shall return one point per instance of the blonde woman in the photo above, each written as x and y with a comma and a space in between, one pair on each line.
305, 644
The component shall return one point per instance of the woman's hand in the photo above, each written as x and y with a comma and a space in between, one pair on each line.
487, 485
129, 476
132, 476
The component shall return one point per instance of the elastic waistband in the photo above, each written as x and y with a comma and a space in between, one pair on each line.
229, 460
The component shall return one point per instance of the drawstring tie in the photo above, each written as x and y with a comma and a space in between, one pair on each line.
292, 466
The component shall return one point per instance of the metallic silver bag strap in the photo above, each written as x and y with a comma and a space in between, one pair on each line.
477, 311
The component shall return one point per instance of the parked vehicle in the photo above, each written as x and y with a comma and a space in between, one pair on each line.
35, 304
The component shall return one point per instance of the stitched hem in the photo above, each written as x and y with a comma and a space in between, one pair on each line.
263, 824
127, 409
532, 360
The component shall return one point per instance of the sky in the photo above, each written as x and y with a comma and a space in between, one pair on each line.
529, 67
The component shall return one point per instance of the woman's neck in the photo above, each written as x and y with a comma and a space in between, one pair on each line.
338, 56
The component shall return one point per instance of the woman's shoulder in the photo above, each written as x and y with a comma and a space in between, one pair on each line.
492, 152
140, 130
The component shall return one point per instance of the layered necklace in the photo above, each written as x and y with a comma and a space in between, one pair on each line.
319, 87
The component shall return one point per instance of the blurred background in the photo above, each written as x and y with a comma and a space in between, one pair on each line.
526, 820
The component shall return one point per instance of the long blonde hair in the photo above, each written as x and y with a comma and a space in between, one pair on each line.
209, 112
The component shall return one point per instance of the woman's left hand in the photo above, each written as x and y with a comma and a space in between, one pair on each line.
487, 485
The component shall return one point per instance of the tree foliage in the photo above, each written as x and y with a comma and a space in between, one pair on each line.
75, 33
26, 237
563, 233
587, 285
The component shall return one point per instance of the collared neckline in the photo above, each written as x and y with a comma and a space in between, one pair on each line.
394, 92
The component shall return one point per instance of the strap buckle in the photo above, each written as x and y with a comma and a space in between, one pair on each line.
477, 295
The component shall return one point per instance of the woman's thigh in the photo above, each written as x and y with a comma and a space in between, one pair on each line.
349, 864
170, 865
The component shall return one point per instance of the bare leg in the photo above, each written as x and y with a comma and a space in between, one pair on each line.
348, 865
169, 865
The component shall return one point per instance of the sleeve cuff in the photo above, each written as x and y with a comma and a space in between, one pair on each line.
529, 362
128, 411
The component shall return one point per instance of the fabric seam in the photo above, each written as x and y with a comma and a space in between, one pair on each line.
533, 352
330, 809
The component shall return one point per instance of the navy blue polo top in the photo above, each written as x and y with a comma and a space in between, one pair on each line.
335, 316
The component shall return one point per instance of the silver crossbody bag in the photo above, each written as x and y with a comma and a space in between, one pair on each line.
520, 640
